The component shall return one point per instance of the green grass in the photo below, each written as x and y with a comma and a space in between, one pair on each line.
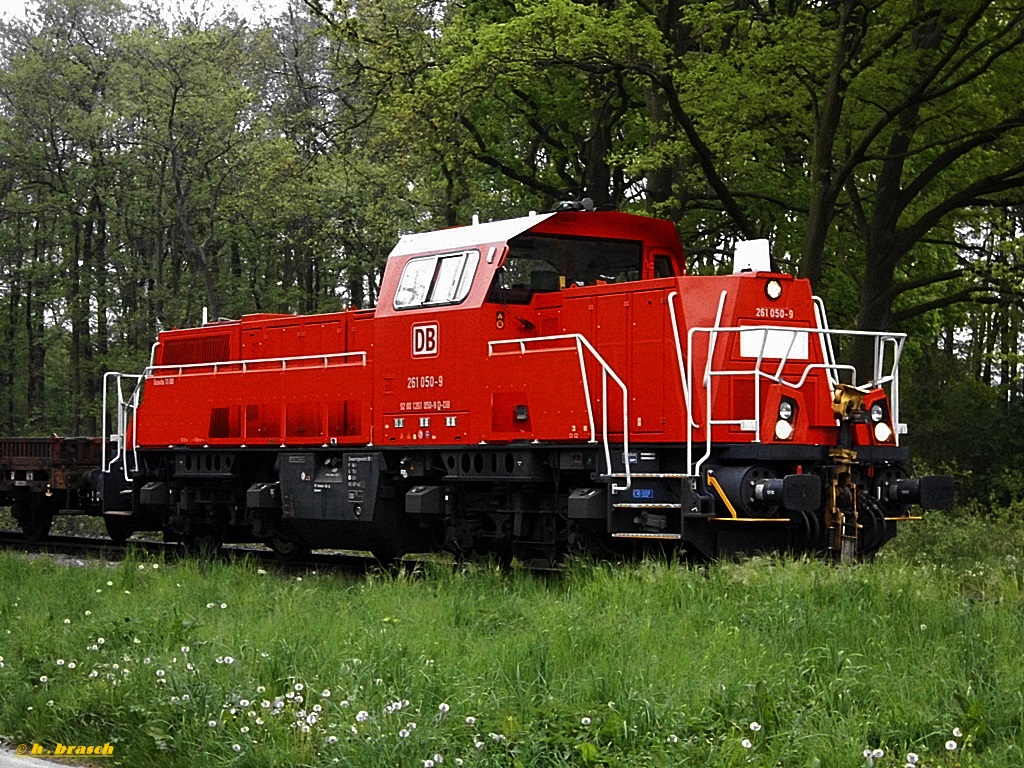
643, 664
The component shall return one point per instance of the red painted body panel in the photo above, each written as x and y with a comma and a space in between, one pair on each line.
481, 370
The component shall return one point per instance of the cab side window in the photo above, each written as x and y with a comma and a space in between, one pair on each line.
429, 281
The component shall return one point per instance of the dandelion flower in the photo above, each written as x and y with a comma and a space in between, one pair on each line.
100, 641
470, 720
438, 759
160, 673
747, 744
67, 621
223, 605
60, 662
404, 733
362, 716
243, 703
478, 744
332, 739
913, 758
443, 706
673, 739
71, 665
212, 723
236, 747
585, 721
299, 686
951, 745
957, 733
428, 764
185, 649
43, 678
755, 726
325, 694
877, 754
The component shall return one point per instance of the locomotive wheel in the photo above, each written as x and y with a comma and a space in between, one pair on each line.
808, 532
873, 532
33, 519
204, 543
287, 549
119, 527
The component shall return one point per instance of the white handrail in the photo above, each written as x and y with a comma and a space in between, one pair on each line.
242, 366
581, 343
832, 369
126, 408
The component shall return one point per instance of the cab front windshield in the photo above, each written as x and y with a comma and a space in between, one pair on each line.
544, 263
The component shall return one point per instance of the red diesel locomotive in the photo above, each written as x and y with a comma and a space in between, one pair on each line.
527, 387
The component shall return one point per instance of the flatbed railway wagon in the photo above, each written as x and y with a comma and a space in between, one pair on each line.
48, 476
527, 387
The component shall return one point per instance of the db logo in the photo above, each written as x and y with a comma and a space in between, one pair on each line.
424, 340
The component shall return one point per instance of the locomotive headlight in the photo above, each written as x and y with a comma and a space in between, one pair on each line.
882, 432
786, 410
877, 413
783, 430
773, 289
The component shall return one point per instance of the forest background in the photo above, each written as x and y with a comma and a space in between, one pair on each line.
154, 163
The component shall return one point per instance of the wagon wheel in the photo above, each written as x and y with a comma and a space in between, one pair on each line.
119, 527
32, 517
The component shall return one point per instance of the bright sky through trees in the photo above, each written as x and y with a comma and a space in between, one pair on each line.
252, 10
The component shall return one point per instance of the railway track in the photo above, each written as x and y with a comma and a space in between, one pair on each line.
100, 548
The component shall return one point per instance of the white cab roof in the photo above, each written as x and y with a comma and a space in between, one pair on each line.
459, 238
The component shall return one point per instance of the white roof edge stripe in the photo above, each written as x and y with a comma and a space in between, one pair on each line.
465, 237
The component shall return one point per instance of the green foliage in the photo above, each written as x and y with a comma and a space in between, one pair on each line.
154, 168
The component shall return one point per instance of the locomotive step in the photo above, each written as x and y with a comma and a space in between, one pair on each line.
647, 505
662, 536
